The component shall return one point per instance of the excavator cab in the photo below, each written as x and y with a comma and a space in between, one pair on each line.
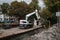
25, 24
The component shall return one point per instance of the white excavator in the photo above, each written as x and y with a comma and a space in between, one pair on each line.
30, 20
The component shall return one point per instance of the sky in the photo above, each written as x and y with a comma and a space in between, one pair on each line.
41, 4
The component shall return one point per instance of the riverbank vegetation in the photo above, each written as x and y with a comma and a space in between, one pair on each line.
20, 9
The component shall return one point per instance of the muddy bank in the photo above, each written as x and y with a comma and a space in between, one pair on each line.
24, 36
52, 33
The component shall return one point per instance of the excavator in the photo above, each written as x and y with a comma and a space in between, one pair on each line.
30, 20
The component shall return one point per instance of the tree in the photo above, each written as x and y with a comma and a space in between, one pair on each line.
19, 9
34, 5
4, 8
45, 13
48, 16
53, 5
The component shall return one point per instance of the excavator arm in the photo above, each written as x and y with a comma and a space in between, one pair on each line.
33, 13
